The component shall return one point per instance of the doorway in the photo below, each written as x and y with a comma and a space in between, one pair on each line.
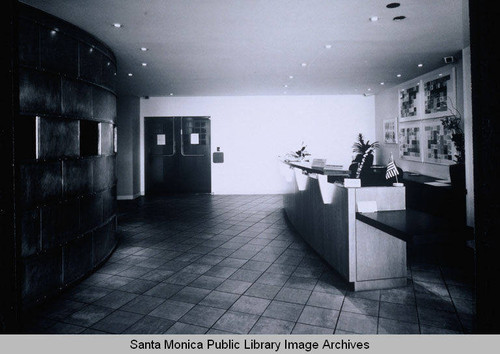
177, 155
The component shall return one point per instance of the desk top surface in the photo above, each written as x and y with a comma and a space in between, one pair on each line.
306, 166
425, 180
406, 224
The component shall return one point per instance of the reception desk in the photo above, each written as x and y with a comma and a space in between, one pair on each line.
324, 214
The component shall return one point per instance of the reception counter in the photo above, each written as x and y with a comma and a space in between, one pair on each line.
324, 214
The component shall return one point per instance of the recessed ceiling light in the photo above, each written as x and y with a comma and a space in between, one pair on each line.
399, 18
290, 77
420, 65
144, 49
382, 83
130, 74
393, 5
144, 64
304, 65
369, 89
398, 75
285, 86
117, 25
374, 19
171, 94
328, 46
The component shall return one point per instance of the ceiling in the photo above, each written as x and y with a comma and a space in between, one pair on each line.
254, 47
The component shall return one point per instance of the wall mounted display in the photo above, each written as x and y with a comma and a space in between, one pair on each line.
422, 103
437, 143
409, 142
409, 102
390, 131
439, 95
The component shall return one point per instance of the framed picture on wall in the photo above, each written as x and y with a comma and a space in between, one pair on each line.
410, 141
409, 102
390, 131
437, 144
439, 94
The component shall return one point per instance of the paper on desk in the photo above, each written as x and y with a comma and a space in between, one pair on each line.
438, 184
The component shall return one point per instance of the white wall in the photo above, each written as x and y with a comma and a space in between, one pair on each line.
127, 159
253, 131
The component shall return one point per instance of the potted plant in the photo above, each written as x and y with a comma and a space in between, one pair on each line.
363, 159
453, 124
298, 155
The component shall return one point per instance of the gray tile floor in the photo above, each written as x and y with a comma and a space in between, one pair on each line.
231, 264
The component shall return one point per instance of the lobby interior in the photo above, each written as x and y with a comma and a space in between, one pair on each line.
104, 243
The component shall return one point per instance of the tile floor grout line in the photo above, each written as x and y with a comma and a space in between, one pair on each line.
452, 301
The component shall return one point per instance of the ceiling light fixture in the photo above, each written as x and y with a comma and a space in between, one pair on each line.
382, 83
285, 86
328, 46
130, 74
420, 65
290, 77
117, 25
399, 18
144, 64
393, 5
304, 65
374, 19
398, 75
144, 49
171, 94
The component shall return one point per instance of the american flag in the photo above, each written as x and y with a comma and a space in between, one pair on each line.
392, 170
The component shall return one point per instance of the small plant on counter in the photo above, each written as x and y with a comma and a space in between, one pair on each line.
298, 155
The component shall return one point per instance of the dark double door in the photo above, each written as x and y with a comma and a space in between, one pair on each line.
177, 155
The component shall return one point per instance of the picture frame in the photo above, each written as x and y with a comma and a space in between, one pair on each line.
439, 93
438, 146
390, 131
410, 141
409, 101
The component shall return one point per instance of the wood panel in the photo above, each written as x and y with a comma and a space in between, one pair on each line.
369, 259
378, 254
387, 198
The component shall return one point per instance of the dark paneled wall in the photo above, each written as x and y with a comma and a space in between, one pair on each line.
65, 160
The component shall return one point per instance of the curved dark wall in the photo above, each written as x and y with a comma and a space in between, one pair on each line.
65, 155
